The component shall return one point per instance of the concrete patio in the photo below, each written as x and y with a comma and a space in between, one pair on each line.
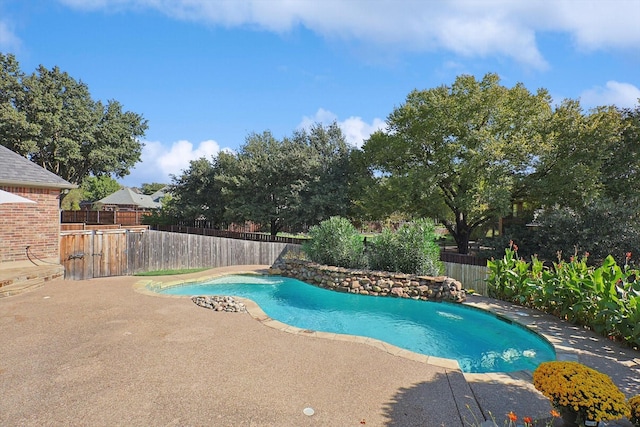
98, 352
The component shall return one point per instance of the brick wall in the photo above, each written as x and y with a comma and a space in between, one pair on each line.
36, 225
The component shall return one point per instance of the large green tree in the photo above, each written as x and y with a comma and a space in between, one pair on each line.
583, 188
458, 152
197, 192
92, 189
96, 188
149, 188
621, 164
295, 182
582, 156
266, 181
50, 118
14, 125
327, 191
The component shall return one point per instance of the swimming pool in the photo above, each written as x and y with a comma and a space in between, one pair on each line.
479, 341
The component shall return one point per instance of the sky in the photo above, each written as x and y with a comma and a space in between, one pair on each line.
206, 74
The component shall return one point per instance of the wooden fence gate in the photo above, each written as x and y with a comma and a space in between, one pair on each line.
89, 254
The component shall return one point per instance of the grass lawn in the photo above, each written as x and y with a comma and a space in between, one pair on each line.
170, 272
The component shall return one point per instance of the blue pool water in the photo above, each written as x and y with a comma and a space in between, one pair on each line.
479, 341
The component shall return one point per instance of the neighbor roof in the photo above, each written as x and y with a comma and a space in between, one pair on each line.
16, 170
126, 196
159, 195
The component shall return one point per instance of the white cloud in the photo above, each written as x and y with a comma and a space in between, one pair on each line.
159, 162
182, 152
468, 28
355, 129
596, 24
322, 116
8, 39
623, 95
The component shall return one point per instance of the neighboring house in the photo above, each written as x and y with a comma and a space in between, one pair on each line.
159, 195
126, 199
125, 207
29, 225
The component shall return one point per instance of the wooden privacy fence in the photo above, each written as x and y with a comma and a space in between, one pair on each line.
104, 217
258, 237
89, 254
470, 270
121, 252
471, 276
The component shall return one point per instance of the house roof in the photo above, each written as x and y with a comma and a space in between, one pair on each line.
159, 195
126, 196
16, 170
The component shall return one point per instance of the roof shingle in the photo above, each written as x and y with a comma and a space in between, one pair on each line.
126, 196
20, 171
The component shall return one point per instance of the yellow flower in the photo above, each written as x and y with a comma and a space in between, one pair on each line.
572, 385
634, 404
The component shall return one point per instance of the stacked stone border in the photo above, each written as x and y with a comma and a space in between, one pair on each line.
375, 283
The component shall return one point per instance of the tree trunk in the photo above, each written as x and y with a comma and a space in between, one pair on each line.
275, 226
462, 241
463, 232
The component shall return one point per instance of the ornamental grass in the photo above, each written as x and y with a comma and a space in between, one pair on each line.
575, 387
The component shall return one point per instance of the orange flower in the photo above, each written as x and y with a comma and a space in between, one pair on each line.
628, 256
527, 420
555, 414
512, 416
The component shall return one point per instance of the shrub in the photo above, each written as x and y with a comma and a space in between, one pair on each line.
601, 228
381, 251
412, 250
335, 241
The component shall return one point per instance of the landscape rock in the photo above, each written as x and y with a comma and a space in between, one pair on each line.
374, 283
220, 303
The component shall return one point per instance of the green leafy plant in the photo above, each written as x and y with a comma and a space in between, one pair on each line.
381, 252
336, 242
605, 299
513, 279
412, 250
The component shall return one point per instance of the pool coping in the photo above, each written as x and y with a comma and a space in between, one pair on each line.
254, 310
